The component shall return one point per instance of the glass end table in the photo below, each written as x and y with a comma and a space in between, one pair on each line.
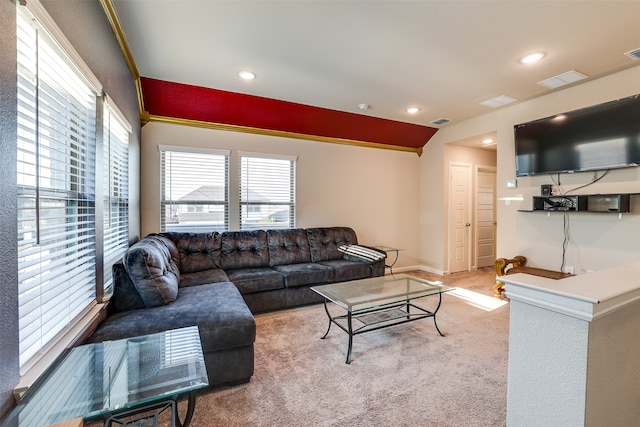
133, 379
389, 249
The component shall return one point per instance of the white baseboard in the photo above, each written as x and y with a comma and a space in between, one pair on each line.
418, 267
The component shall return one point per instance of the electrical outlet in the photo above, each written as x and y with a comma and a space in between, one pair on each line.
569, 269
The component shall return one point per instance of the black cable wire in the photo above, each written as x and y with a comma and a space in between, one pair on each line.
565, 242
590, 183
565, 225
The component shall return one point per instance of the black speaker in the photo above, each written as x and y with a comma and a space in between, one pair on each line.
545, 190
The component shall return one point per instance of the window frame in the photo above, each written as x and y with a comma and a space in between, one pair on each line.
252, 187
233, 190
220, 161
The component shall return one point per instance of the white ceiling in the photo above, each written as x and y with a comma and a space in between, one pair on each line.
444, 56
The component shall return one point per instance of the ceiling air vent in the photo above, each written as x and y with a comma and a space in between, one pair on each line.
634, 54
563, 79
440, 121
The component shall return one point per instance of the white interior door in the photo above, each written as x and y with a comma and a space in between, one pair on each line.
486, 219
459, 217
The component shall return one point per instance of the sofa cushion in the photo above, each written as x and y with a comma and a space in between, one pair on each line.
344, 270
288, 247
249, 280
197, 251
218, 309
325, 241
151, 265
308, 273
244, 249
215, 275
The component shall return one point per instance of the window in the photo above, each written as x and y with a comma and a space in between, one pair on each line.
195, 190
267, 191
56, 188
115, 189
61, 113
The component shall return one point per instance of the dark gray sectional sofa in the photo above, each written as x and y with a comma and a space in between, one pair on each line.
217, 281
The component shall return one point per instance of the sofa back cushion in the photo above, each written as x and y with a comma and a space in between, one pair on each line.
288, 247
197, 251
244, 249
152, 265
325, 241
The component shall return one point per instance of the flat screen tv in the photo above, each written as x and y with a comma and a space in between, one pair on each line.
604, 136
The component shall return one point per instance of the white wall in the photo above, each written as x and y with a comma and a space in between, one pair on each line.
374, 191
597, 240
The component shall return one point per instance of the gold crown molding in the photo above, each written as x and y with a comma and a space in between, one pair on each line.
112, 17
269, 132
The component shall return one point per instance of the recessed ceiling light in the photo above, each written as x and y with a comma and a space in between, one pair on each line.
532, 57
487, 141
363, 106
412, 110
247, 75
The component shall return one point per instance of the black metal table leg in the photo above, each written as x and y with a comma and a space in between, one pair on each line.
390, 266
329, 316
350, 332
191, 406
434, 314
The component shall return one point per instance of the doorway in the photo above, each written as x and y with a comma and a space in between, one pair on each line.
485, 236
459, 217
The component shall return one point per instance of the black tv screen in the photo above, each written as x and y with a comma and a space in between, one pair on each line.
605, 136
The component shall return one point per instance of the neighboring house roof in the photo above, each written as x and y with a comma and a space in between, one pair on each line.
208, 193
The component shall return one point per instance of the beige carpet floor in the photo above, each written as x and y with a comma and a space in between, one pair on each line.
407, 375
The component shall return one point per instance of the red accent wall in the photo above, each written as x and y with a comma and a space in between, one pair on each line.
181, 101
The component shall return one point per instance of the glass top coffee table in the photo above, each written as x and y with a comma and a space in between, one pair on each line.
379, 302
130, 381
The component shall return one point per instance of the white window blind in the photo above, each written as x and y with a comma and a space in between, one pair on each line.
56, 188
267, 191
116, 190
195, 190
